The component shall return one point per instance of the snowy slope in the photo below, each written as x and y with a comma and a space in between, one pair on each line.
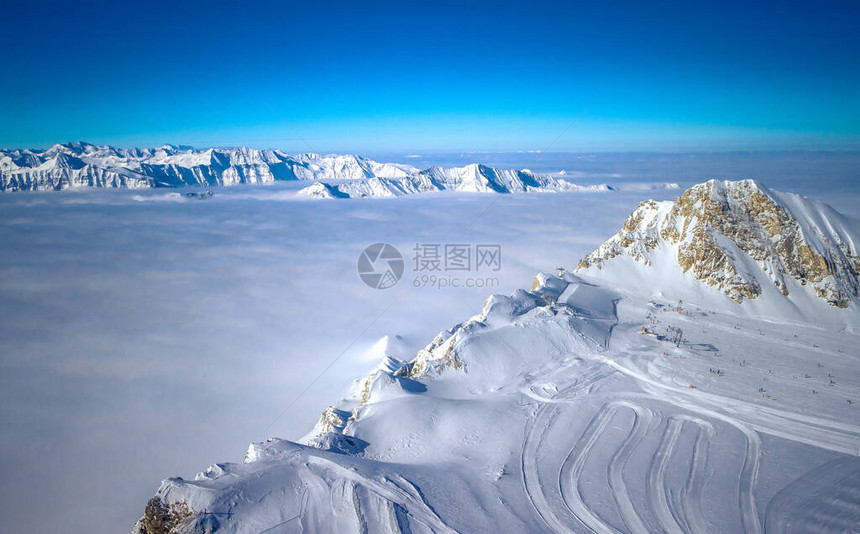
473, 178
85, 165
564, 408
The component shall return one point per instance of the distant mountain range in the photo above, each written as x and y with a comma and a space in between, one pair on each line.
75, 165
84, 165
473, 178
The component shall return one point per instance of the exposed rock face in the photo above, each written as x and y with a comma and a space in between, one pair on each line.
441, 353
735, 236
161, 518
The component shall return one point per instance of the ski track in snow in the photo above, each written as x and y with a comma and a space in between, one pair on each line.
390, 505
750, 419
531, 479
749, 472
676, 512
642, 421
695, 482
564, 509
657, 477
532, 440
417, 508
571, 469
681, 513
816, 431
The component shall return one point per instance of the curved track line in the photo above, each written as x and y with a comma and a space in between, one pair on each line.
684, 513
531, 478
419, 510
717, 408
692, 494
309, 516
641, 424
356, 505
686, 508
535, 428
657, 476
588, 377
571, 470
826, 434
749, 478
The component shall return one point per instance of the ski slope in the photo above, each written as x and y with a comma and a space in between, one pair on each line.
551, 411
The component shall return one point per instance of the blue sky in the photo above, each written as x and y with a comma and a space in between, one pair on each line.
444, 76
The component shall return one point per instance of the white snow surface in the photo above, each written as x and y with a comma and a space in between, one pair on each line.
577, 406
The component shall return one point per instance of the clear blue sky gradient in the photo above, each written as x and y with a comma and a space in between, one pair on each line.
400, 76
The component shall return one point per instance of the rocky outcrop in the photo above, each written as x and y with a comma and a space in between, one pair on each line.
735, 236
161, 518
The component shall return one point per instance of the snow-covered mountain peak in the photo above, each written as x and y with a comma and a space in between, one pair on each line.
741, 238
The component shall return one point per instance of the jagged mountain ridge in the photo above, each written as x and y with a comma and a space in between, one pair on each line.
78, 164
85, 165
737, 236
473, 178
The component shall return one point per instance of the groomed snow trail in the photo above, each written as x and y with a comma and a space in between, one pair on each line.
643, 418
657, 476
416, 508
687, 400
681, 513
532, 441
571, 469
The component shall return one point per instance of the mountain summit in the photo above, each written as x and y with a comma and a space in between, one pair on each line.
739, 237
